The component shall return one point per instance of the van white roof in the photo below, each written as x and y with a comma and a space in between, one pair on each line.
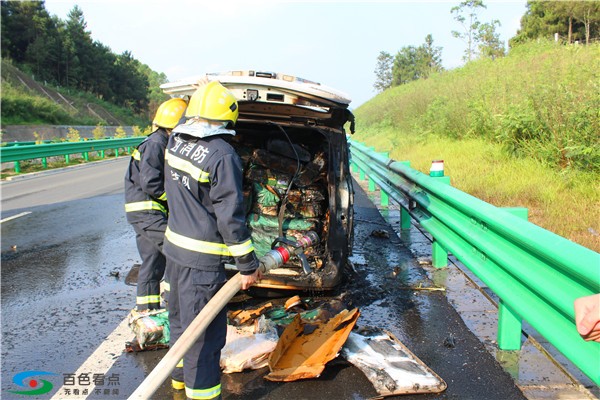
269, 87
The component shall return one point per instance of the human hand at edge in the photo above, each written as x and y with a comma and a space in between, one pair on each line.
249, 280
587, 317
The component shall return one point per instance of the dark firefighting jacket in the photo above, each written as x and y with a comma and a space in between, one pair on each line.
207, 224
145, 195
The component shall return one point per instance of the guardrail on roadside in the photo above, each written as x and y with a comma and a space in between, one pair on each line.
35, 151
535, 273
32, 142
28, 143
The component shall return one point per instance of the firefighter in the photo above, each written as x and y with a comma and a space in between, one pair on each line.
207, 227
146, 202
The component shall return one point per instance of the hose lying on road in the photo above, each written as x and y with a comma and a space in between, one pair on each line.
277, 257
187, 339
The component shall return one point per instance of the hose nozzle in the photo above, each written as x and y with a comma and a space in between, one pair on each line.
280, 254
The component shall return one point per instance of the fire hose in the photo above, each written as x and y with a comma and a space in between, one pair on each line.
276, 257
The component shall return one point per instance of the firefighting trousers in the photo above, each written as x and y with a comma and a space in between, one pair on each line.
191, 289
149, 237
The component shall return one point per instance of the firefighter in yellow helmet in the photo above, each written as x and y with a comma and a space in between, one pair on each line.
207, 227
146, 202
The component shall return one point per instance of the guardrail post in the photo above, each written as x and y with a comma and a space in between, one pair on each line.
371, 185
102, 153
44, 162
404, 215
116, 153
67, 159
510, 324
404, 219
17, 164
385, 199
439, 255
86, 157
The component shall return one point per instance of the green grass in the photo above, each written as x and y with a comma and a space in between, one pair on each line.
542, 101
21, 106
523, 130
564, 202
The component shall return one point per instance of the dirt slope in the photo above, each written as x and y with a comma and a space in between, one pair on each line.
71, 105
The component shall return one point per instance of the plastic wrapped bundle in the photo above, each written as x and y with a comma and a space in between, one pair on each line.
150, 327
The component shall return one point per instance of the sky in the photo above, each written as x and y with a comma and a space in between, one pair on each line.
335, 43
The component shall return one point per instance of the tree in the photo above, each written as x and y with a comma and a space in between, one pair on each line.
383, 71
432, 56
466, 14
412, 63
406, 66
79, 45
28, 37
101, 77
63, 53
155, 94
129, 85
488, 40
588, 12
566, 9
573, 20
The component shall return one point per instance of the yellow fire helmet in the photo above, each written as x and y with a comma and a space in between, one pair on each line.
169, 113
213, 102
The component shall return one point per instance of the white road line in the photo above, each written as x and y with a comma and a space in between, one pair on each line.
15, 216
99, 362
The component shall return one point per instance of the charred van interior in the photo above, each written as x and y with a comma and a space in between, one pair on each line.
290, 136
290, 176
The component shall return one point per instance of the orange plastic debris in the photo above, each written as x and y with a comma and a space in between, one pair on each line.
292, 302
242, 317
303, 356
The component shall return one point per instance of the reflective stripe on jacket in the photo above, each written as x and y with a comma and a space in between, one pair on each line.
207, 223
144, 180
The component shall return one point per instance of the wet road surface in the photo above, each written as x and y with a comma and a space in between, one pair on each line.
63, 293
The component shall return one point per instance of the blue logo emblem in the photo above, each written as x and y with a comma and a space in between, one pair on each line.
36, 386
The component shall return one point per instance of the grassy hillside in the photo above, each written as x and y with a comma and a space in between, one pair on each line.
519, 131
26, 101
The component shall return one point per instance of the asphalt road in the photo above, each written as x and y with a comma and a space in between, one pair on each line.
64, 300
61, 185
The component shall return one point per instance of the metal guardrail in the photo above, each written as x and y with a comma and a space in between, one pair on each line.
31, 142
34, 151
535, 273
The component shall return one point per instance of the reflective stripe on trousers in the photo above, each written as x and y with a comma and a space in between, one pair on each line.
155, 298
191, 289
210, 393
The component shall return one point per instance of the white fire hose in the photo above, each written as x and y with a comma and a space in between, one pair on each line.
273, 259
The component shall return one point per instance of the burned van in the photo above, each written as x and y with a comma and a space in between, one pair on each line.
291, 139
